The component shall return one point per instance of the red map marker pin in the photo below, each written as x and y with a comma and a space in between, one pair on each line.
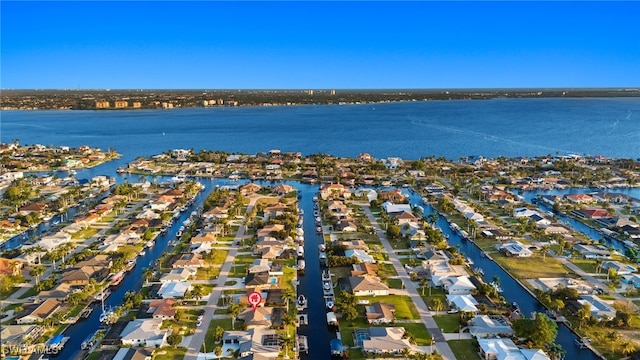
254, 299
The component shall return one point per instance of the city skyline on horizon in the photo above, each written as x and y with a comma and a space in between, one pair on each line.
155, 45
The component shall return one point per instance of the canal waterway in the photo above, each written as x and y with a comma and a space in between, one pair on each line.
132, 281
317, 332
512, 291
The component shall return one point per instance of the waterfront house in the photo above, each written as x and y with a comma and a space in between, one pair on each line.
253, 343
394, 209
258, 281
282, 189
383, 340
505, 349
366, 286
360, 256
334, 191
145, 332
176, 275
457, 285
593, 251
462, 303
515, 249
193, 261
16, 335
260, 266
258, 319
162, 309
580, 198
599, 308
38, 313
172, 290
490, 326
10, 266
364, 269
275, 210
346, 226
269, 229
353, 244
592, 214
380, 313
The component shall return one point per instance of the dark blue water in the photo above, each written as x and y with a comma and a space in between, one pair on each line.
492, 128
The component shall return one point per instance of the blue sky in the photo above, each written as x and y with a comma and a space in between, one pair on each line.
341, 45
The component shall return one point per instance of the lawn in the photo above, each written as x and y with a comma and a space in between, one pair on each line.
209, 338
386, 270
421, 335
586, 265
449, 323
394, 283
168, 353
532, 267
405, 309
464, 349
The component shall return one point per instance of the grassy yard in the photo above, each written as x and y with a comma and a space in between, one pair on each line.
209, 338
405, 309
394, 283
464, 349
421, 335
169, 353
85, 233
586, 265
449, 323
533, 267
386, 270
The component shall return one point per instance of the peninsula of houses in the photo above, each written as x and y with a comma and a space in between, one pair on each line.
388, 238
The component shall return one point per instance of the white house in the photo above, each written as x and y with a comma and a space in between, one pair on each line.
599, 309
514, 248
460, 285
171, 290
391, 208
360, 255
505, 349
462, 303
490, 326
144, 331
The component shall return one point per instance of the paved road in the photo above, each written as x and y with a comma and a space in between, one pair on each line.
198, 338
441, 342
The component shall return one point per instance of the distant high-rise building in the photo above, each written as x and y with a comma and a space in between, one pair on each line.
205, 103
137, 104
333, 92
102, 104
121, 104
310, 92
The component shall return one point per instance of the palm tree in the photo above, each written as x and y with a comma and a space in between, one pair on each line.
15, 267
627, 348
613, 337
147, 274
233, 310
405, 352
423, 284
437, 305
197, 292
54, 256
37, 271
288, 320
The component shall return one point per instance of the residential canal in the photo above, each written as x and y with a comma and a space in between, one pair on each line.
132, 282
317, 332
512, 291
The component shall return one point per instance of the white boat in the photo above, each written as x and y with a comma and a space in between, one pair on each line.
319, 230
142, 253
326, 285
302, 300
329, 302
150, 244
322, 247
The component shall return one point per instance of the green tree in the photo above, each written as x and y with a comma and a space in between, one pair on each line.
218, 332
174, 339
233, 310
437, 305
540, 331
37, 271
393, 231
